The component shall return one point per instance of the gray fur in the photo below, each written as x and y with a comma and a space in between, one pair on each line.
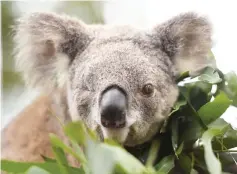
56, 51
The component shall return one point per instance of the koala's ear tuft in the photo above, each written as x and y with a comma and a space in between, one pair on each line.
186, 39
45, 44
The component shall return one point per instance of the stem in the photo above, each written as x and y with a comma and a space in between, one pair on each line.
61, 123
227, 151
153, 153
218, 151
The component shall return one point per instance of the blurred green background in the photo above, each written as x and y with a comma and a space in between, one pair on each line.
14, 95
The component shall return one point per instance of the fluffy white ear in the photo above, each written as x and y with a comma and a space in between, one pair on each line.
186, 39
45, 44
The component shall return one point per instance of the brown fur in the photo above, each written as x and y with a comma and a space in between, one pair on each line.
26, 138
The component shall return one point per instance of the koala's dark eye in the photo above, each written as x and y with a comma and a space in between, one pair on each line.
147, 89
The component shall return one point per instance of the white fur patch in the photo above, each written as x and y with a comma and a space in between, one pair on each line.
119, 135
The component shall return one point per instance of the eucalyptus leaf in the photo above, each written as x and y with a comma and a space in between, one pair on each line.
174, 134
61, 159
21, 167
76, 131
213, 164
185, 163
36, 170
210, 75
178, 105
165, 165
119, 160
57, 142
183, 76
47, 159
214, 109
230, 87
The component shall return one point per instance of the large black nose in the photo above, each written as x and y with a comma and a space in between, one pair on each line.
113, 106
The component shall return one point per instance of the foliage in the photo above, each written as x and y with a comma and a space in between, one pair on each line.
194, 138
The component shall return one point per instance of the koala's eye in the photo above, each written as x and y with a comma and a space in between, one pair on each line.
147, 89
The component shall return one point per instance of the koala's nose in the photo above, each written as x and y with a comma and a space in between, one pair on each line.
113, 106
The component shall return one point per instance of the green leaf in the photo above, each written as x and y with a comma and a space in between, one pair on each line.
153, 153
125, 161
76, 131
57, 142
104, 158
177, 106
36, 170
185, 163
61, 159
165, 165
180, 149
213, 164
213, 110
226, 141
21, 167
174, 133
210, 75
231, 87
47, 159
199, 94
183, 76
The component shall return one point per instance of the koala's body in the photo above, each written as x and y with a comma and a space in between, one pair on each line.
120, 81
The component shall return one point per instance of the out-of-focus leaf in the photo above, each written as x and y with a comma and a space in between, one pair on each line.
213, 164
121, 159
111, 142
210, 75
98, 159
185, 163
79, 152
61, 159
21, 167
193, 172
183, 76
56, 141
47, 159
213, 110
165, 165
76, 131
36, 170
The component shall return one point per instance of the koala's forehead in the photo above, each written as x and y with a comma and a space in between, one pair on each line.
114, 62
119, 56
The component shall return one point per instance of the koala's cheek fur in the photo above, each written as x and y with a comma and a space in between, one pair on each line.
147, 121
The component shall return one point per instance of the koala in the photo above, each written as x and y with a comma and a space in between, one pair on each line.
119, 80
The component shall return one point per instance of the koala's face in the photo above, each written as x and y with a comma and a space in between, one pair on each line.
120, 81
120, 84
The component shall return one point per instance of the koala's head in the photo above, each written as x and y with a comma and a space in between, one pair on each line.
119, 80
